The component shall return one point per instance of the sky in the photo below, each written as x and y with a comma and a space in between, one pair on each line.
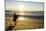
24, 5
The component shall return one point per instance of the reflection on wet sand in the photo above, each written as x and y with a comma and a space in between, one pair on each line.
25, 23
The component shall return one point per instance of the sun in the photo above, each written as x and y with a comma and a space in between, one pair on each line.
21, 7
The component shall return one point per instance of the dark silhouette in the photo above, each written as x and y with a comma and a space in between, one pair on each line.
15, 17
14, 20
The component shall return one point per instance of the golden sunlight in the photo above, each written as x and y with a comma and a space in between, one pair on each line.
21, 18
21, 8
21, 13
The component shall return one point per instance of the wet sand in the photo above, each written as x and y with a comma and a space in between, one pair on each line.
25, 23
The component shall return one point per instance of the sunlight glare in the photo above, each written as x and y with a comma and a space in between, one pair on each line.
21, 18
21, 13
21, 7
